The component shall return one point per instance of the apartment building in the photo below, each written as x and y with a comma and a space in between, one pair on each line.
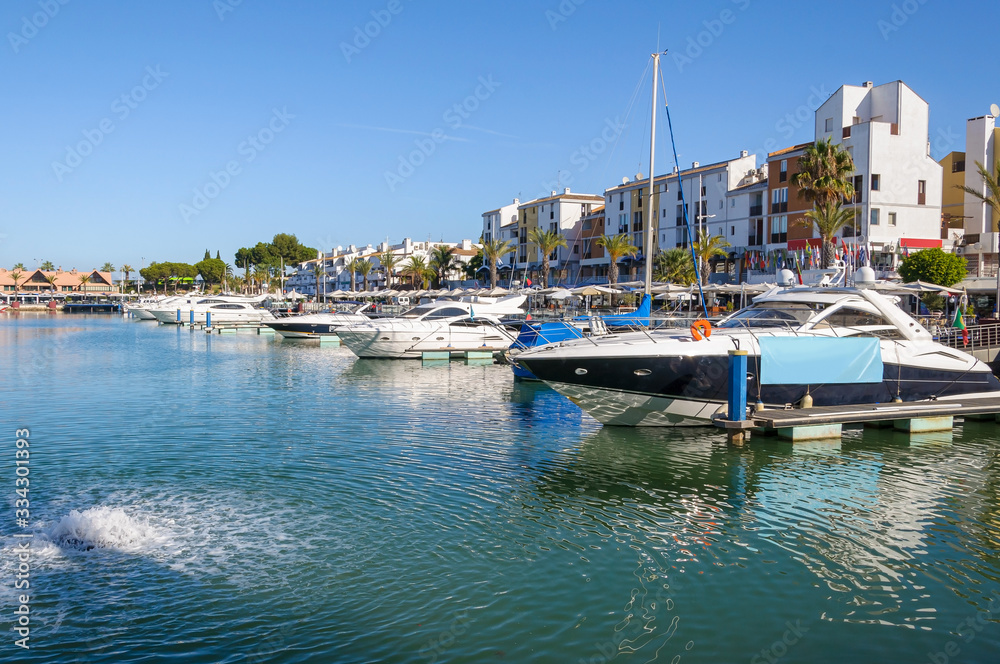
562, 213
980, 246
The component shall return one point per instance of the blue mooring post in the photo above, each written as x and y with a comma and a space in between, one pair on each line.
208, 319
178, 315
737, 385
192, 317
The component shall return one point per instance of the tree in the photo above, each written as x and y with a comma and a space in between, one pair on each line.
443, 261
824, 174
992, 195
352, 267
674, 266
828, 218
933, 265
212, 270
319, 271
261, 276
227, 274
616, 246
471, 268
389, 261
286, 247
51, 278
47, 266
707, 247
493, 251
547, 242
206, 256
364, 269
416, 268
18, 267
16, 275
126, 271
107, 267
84, 280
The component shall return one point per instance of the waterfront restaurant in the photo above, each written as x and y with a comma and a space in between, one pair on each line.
55, 281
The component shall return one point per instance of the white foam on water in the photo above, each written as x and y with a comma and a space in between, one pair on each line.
104, 528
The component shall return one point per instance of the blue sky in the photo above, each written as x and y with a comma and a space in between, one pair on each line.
141, 131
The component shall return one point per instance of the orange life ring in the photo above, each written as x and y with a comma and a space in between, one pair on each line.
701, 329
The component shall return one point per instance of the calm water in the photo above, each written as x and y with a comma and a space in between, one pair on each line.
201, 498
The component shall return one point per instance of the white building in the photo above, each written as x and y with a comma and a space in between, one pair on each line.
562, 213
898, 184
982, 246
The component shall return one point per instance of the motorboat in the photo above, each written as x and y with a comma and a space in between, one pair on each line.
313, 326
442, 325
143, 309
223, 308
834, 345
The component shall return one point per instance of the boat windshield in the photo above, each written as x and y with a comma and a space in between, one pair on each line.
773, 314
435, 311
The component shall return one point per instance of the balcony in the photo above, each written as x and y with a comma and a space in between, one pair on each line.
756, 210
777, 208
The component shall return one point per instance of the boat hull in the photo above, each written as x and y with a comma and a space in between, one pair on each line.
412, 341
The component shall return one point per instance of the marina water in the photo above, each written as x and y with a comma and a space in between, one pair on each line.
205, 498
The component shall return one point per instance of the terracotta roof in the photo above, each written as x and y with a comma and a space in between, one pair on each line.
38, 278
789, 149
539, 201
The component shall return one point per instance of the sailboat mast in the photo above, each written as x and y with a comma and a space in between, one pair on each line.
650, 212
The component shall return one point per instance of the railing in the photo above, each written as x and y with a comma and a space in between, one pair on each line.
980, 337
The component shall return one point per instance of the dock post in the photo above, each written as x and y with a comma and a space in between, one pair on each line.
737, 395
208, 319
192, 317
178, 316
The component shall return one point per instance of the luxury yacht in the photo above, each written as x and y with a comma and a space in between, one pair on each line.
452, 325
314, 326
224, 309
838, 345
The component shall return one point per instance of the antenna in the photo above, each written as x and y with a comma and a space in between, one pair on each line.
994, 110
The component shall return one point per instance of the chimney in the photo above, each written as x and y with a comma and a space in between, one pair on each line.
675, 169
566, 190
744, 153
694, 164
517, 201
867, 84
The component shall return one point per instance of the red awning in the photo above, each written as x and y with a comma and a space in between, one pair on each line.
919, 243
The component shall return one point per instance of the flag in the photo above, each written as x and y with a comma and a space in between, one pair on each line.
527, 281
960, 324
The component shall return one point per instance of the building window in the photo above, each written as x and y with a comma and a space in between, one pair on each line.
783, 171
732, 202
732, 230
874, 221
958, 167
679, 196
639, 197
779, 229
829, 124
921, 192
552, 214
721, 204
779, 200
892, 218
876, 181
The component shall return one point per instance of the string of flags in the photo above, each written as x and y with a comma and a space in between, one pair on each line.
855, 254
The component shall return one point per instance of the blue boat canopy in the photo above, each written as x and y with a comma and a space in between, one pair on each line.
819, 360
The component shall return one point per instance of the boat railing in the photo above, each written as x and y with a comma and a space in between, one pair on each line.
979, 337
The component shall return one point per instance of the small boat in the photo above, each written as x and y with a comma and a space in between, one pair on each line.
834, 345
314, 326
455, 326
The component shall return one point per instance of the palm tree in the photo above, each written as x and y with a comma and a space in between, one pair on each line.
674, 266
48, 266
389, 261
828, 219
261, 276
547, 242
107, 267
824, 172
16, 275
127, 270
227, 276
51, 278
319, 271
18, 267
493, 251
352, 267
992, 195
84, 280
364, 268
616, 246
415, 269
707, 247
443, 261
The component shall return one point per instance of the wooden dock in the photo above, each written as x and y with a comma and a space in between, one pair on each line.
827, 421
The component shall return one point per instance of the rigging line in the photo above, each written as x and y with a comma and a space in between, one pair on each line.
628, 112
687, 224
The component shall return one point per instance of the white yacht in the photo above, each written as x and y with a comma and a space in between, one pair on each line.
224, 309
314, 326
451, 325
839, 346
